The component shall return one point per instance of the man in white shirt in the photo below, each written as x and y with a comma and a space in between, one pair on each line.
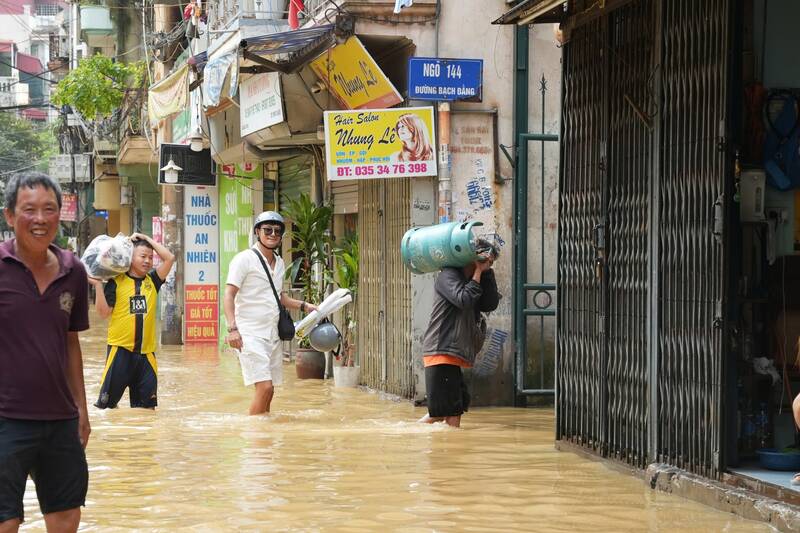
252, 312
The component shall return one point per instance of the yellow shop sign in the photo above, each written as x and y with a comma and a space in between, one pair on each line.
354, 77
380, 143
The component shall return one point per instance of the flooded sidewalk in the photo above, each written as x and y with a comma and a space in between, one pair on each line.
332, 459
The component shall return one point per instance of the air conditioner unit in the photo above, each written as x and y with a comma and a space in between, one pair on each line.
751, 196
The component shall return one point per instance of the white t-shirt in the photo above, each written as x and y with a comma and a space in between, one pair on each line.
256, 310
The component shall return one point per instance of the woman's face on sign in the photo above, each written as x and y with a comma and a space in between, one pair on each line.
403, 132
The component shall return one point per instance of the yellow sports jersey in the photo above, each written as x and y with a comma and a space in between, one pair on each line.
133, 320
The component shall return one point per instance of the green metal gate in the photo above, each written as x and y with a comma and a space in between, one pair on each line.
532, 298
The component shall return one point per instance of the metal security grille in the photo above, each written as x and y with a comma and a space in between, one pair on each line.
370, 281
397, 356
640, 268
690, 188
384, 302
630, 106
580, 348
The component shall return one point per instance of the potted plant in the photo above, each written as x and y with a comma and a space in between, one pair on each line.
310, 235
347, 258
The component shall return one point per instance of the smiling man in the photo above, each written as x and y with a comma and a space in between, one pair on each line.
44, 425
130, 300
251, 310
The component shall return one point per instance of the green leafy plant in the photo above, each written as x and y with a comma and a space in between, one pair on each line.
24, 145
346, 275
98, 86
310, 234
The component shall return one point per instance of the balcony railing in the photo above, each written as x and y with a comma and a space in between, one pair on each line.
224, 13
7, 82
59, 46
43, 24
319, 7
314, 7
12, 92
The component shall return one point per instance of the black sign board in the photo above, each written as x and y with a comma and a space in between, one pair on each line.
198, 167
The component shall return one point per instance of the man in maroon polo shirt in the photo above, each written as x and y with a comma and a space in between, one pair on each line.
44, 426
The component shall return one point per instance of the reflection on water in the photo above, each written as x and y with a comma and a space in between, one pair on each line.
342, 460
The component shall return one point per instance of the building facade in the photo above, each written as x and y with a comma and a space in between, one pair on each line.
241, 52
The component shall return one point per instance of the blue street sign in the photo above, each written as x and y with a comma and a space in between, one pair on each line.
430, 78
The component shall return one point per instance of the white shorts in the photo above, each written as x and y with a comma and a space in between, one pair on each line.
261, 360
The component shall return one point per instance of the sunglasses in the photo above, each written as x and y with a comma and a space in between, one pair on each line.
271, 231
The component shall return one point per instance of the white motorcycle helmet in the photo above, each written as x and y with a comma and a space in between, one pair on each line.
269, 217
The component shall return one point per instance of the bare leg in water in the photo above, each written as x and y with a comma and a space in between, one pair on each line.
453, 421
262, 398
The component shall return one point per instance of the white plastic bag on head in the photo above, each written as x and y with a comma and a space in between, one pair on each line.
107, 257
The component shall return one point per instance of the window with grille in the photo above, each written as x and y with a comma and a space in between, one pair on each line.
48, 10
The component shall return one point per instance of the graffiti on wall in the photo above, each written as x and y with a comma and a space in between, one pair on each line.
473, 168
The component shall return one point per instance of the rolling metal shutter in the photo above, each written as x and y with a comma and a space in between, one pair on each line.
384, 287
345, 196
294, 178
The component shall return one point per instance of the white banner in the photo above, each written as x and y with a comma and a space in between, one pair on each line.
201, 235
260, 102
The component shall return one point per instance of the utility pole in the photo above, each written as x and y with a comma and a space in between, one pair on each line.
171, 293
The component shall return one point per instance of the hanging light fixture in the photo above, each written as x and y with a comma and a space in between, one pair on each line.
196, 140
171, 172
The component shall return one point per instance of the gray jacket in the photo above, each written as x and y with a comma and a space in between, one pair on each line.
457, 303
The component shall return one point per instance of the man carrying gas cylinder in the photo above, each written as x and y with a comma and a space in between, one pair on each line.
456, 332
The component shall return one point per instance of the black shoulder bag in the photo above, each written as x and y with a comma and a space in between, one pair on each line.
285, 322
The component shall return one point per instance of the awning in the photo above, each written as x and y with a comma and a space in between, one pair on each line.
28, 64
303, 45
169, 95
300, 45
286, 42
34, 114
530, 11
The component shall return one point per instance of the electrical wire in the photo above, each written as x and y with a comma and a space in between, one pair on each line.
144, 41
27, 106
137, 47
339, 9
25, 72
8, 172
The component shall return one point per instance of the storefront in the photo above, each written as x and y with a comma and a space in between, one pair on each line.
677, 333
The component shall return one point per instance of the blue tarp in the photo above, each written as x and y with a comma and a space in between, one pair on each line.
199, 61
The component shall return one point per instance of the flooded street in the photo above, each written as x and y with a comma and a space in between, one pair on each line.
342, 460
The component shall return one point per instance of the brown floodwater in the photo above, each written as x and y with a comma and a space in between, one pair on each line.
331, 459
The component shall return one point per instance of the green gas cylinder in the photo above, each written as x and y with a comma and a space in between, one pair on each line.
428, 249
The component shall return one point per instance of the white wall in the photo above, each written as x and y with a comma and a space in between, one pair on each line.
16, 28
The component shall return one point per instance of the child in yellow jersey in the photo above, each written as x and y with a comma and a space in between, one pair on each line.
130, 300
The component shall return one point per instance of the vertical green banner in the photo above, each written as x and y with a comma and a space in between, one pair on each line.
236, 207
